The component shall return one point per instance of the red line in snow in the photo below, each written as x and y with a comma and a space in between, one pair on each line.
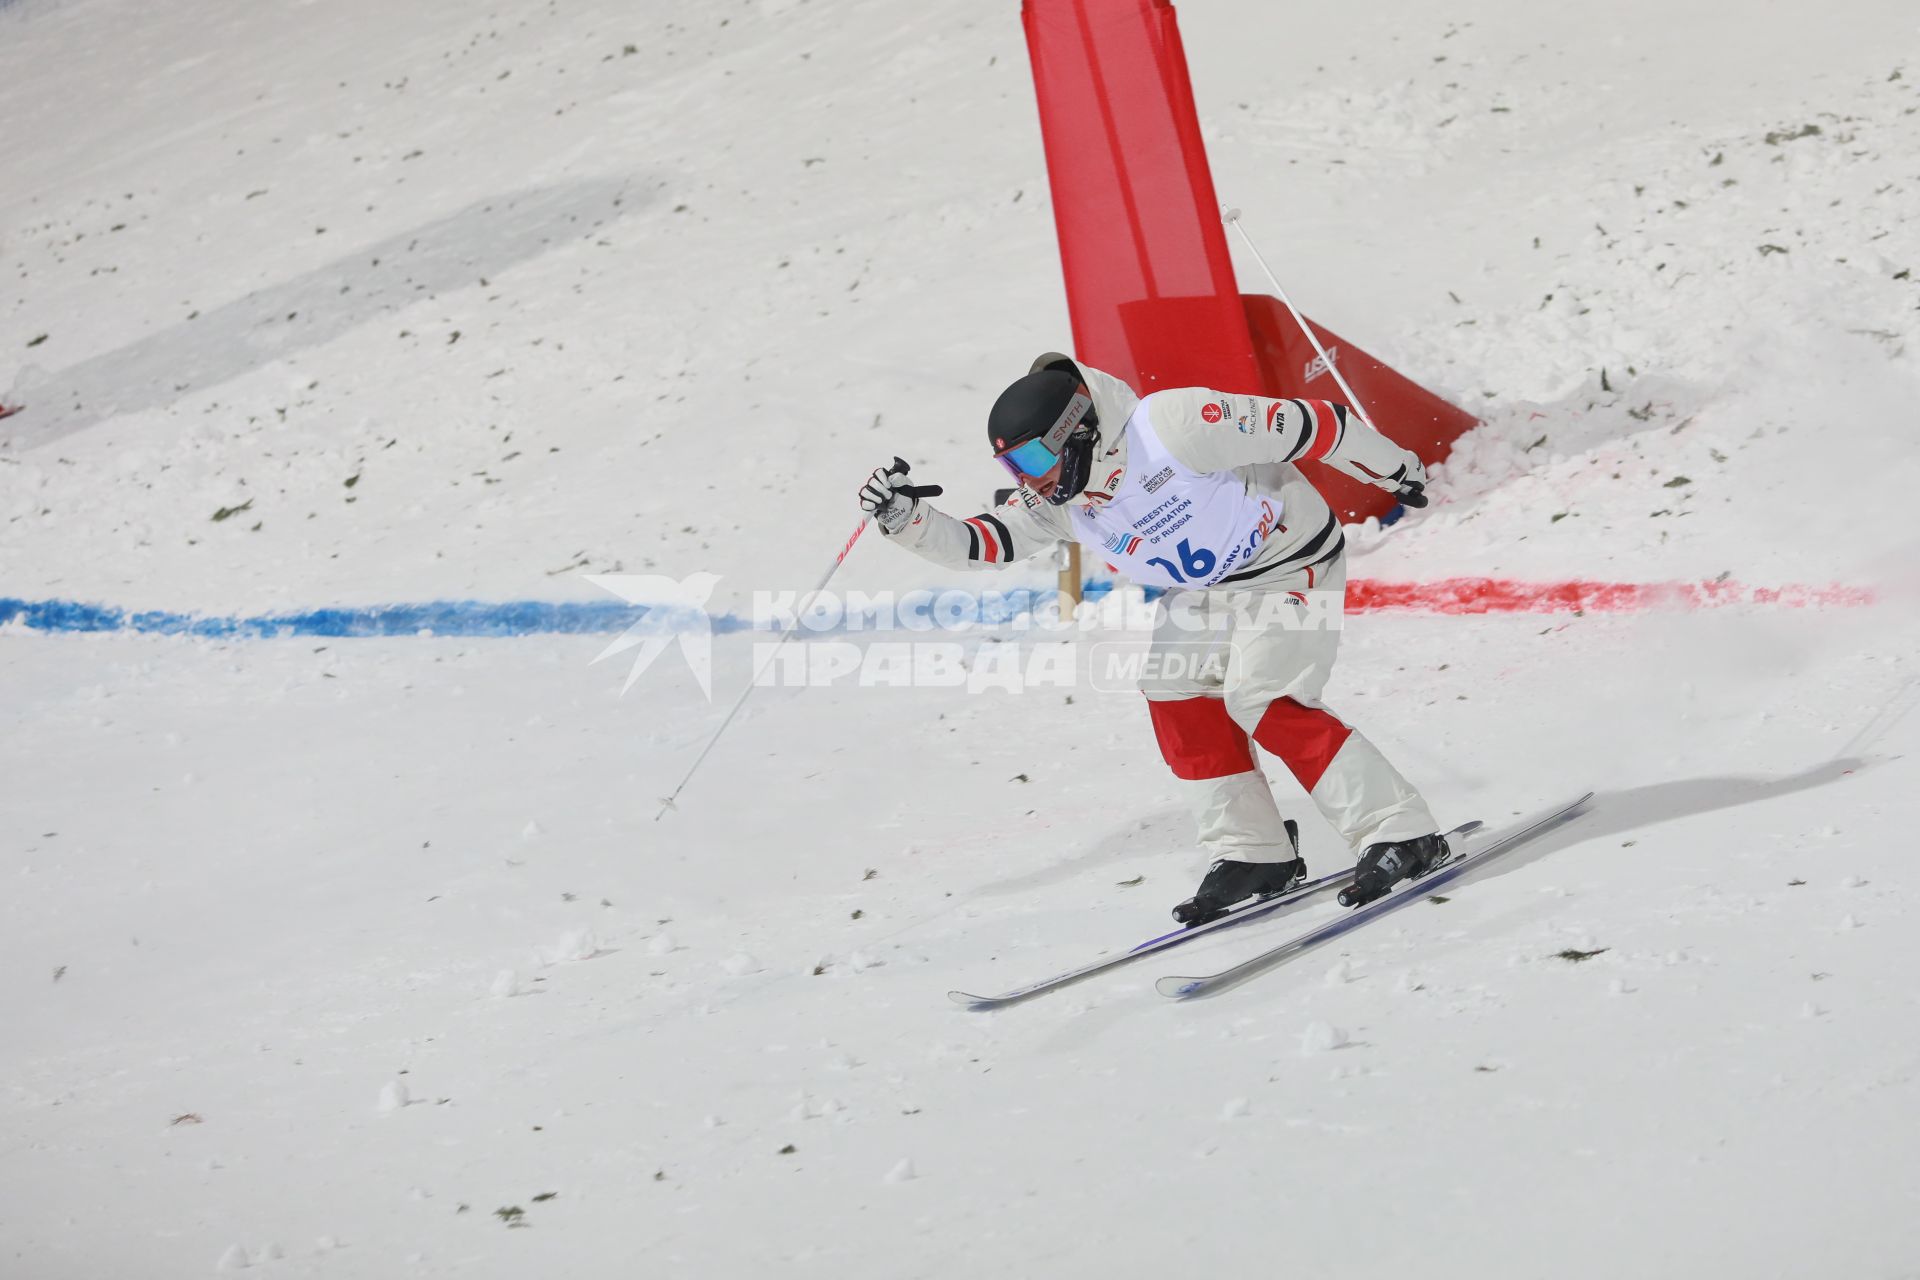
1505, 595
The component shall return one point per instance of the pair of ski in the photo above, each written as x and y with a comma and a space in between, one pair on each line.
1207, 984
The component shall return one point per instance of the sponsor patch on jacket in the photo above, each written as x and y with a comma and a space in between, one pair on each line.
1211, 412
1158, 478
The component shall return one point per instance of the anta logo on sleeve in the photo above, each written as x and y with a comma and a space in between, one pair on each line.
1211, 412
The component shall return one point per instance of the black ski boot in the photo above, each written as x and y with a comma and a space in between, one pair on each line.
1229, 882
1384, 865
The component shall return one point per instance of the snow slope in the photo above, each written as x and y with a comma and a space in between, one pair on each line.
322, 957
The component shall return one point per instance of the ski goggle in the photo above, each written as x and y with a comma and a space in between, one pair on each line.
1032, 459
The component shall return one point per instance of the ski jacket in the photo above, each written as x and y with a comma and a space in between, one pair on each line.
1190, 487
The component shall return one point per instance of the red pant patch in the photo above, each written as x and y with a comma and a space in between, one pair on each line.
1198, 739
1305, 738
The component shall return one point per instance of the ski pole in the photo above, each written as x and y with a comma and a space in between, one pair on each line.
1231, 217
911, 491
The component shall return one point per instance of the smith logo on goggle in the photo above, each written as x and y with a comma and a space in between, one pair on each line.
1035, 458
1121, 544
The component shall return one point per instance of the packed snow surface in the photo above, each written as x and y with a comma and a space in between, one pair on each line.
366, 958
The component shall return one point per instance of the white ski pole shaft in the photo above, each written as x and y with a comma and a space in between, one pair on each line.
772, 650
1232, 218
913, 491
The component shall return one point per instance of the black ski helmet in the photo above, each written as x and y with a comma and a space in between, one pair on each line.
1053, 404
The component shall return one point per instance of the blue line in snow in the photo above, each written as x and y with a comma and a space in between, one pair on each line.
440, 617
478, 618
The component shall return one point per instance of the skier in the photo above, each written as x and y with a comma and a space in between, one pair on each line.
1195, 491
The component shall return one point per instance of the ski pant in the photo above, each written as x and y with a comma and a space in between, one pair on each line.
1230, 665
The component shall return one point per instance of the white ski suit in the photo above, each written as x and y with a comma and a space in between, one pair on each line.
1194, 490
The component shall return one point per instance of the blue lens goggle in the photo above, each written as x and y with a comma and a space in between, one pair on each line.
1031, 459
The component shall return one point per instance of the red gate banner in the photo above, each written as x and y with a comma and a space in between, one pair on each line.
1150, 284
1415, 417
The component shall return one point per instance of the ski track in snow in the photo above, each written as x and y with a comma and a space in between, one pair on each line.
363, 957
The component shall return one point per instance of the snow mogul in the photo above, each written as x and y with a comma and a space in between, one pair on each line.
1195, 491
